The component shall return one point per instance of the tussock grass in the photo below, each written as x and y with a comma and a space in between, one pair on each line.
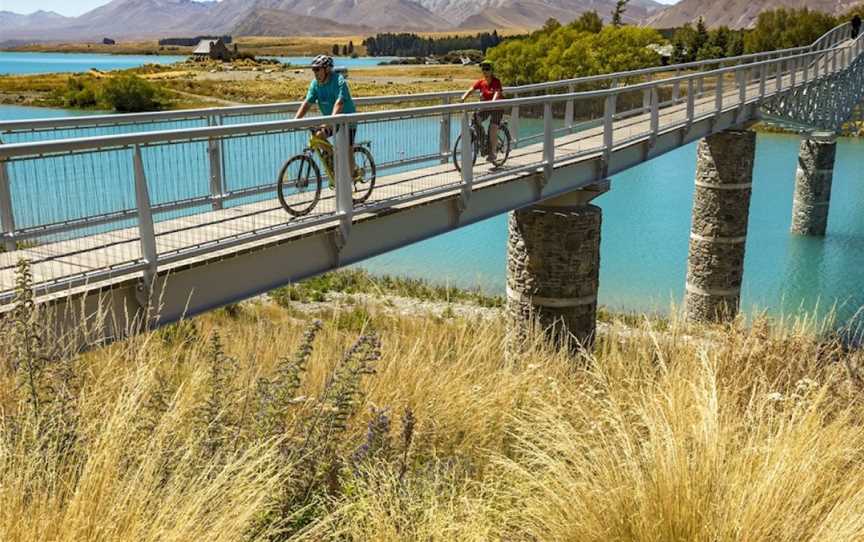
254, 423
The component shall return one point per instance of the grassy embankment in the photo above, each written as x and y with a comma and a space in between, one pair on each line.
421, 430
188, 85
270, 46
256, 45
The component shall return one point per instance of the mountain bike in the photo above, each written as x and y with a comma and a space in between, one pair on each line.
480, 143
299, 184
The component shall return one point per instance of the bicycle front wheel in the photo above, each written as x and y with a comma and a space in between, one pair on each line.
299, 185
364, 174
457, 152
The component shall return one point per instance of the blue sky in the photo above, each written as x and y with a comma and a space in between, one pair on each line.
77, 7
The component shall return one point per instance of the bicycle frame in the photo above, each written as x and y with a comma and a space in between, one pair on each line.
324, 149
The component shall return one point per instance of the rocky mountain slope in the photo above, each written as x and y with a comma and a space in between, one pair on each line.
270, 22
533, 13
736, 13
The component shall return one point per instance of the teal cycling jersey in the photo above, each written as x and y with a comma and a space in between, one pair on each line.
326, 95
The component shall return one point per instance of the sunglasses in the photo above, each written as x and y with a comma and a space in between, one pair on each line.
316, 70
487, 69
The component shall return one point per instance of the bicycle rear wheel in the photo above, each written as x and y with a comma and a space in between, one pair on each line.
502, 151
457, 152
299, 185
364, 174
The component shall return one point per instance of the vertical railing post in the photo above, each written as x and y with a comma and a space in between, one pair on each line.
676, 88
514, 125
444, 134
718, 95
646, 100
834, 60
794, 72
778, 75
214, 152
569, 108
548, 140
806, 62
763, 79
655, 114
467, 157
146, 230
608, 130
344, 186
742, 75
691, 102
7, 215
700, 90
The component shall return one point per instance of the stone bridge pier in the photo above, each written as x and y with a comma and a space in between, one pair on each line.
721, 205
553, 264
813, 184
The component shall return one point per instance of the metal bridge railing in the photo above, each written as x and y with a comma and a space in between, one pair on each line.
19, 131
87, 209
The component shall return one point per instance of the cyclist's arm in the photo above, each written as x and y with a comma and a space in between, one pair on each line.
497, 95
468, 92
337, 107
301, 112
311, 97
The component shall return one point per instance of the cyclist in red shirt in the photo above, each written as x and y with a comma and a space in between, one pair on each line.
490, 89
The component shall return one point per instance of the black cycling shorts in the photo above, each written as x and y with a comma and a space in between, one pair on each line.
496, 115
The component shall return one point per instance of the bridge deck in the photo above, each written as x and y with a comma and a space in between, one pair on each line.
88, 255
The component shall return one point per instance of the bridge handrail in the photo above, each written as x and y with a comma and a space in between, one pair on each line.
12, 150
830, 39
68, 173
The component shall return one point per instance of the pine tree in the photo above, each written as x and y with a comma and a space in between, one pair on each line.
618, 12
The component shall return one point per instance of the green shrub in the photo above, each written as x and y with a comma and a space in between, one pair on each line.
80, 93
130, 94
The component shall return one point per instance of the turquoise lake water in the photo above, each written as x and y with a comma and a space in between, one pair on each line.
11, 62
646, 222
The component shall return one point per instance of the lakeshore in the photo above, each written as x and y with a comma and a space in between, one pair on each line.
186, 84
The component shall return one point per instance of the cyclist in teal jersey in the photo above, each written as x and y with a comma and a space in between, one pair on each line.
330, 91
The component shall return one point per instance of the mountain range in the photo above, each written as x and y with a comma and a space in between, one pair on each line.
737, 13
128, 19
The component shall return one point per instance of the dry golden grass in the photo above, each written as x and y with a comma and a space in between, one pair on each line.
668, 432
279, 90
298, 45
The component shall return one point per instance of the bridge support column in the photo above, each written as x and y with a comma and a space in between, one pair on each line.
553, 263
721, 205
813, 184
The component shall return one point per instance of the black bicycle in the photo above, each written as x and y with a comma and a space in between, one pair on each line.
480, 144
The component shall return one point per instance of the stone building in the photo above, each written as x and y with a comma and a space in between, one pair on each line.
213, 50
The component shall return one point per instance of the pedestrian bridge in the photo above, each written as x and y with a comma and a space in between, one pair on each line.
179, 209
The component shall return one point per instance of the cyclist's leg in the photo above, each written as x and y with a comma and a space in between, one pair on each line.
352, 137
494, 122
482, 143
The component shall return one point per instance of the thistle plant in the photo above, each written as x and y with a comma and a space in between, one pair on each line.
214, 414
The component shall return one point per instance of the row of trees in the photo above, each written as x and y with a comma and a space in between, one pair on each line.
582, 48
346, 50
587, 47
411, 45
776, 29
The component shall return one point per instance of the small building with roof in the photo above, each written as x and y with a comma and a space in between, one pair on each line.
212, 50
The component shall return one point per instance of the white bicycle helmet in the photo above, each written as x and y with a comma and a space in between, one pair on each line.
322, 61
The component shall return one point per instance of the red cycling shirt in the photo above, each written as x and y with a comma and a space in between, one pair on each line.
488, 90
